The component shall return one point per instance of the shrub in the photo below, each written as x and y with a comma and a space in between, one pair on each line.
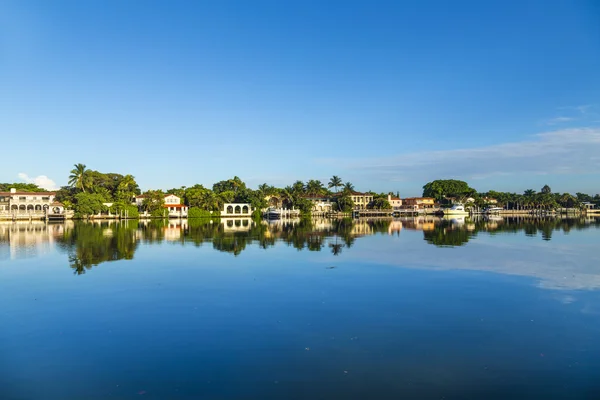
195, 212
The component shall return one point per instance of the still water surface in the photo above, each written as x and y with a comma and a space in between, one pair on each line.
386, 309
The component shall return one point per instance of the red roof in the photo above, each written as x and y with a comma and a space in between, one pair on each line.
28, 193
174, 205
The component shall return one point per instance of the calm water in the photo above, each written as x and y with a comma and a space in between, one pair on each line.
402, 309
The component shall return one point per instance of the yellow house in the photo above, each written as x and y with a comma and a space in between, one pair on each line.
418, 203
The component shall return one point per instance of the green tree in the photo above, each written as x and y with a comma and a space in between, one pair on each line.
79, 177
335, 182
349, 187
88, 204
232, 185
21, 187
529, 193
344, 202
154, 202
314, 188
442, 189
380, 203
546, 190
298, 187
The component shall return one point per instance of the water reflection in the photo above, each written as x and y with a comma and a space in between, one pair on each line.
89, 244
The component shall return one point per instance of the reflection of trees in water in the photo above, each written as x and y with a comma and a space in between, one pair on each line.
445, 233
91, 244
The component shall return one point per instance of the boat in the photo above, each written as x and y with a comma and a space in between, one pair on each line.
456, 209
273, 213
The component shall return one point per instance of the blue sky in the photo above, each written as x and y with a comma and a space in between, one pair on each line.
387, 95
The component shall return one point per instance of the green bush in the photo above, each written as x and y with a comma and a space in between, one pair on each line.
195, 212
159, 213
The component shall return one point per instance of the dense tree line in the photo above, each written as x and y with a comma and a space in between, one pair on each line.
447, 191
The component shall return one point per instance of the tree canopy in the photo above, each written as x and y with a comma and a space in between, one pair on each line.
444, 188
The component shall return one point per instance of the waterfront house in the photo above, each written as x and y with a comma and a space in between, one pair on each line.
237, 210
395, 202
588, 205
418, 203
174, 206
139, 200
16, 204
320, 204
361, 200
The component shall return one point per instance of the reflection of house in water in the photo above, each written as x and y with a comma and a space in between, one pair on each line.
423, 223
28, 239
236, 224
395, 227
361, 228
173, 230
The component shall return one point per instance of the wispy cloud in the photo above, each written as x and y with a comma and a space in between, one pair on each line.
559, 120
581, 113
567, 151
42, 181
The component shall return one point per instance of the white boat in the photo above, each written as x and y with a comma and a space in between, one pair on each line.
273, 213
456, 209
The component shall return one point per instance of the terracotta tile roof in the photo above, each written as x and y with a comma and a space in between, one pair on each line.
28, 193
174, 205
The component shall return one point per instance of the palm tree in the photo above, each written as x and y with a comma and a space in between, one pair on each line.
335, 182
348, 187
529, 193
78, 177
314, 187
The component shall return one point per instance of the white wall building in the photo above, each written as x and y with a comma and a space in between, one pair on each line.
236, 210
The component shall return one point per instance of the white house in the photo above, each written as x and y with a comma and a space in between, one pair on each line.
29, 203
236, 210
174, 206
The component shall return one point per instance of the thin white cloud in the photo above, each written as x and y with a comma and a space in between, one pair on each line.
42, 181
559, 120
567, 151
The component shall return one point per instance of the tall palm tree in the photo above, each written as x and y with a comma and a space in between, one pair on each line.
335, 182
78, 177
529, 193
349, 187
314, 187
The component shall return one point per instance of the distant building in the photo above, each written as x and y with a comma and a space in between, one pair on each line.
237, 210
418, 203
361, 200
490, 200
395, 202
588, 206
139, 200
174, 206
321, 204
29, 203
